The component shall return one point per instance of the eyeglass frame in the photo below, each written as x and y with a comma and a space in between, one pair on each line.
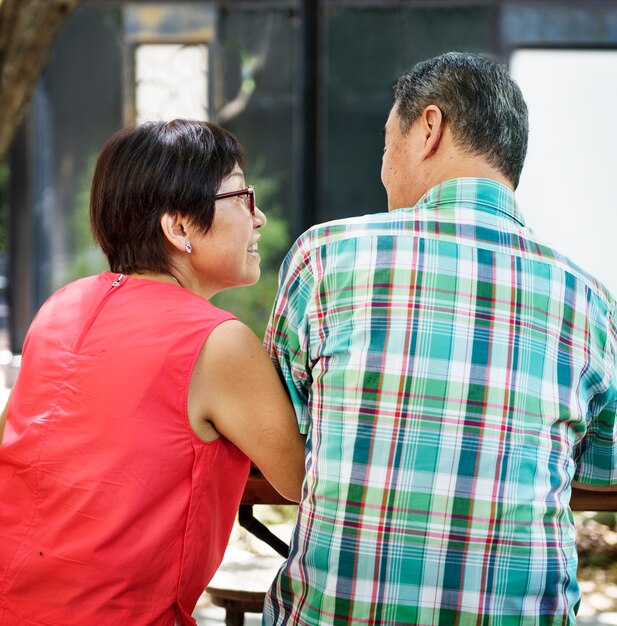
247, 191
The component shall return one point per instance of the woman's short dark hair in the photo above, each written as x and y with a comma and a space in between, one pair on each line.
484, 107
155, 168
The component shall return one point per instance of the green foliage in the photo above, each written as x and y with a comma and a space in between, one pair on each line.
596, 539
606, 518
271, 514
252, 305
87, 258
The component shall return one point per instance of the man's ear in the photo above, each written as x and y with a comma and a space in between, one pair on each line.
173, 226
432, 123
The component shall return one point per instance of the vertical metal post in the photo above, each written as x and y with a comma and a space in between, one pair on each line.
309, 170
498, 44
30, 201
20, 266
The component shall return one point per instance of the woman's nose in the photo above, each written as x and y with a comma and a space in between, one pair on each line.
259, 219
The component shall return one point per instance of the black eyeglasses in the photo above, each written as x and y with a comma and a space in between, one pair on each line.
247, 192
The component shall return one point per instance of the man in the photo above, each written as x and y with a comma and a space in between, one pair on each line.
453, 375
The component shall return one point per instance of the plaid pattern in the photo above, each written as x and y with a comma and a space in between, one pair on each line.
453, 375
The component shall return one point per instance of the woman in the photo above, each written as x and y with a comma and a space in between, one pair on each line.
138, 404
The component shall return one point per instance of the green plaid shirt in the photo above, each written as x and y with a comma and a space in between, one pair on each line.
453, 375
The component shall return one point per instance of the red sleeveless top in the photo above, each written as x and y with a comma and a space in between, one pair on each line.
112, 511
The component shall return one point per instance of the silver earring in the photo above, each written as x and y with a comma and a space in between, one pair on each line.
188, 248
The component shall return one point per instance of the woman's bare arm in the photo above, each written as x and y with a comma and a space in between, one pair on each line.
236, 388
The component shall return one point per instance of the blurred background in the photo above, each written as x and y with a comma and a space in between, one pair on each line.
307, 86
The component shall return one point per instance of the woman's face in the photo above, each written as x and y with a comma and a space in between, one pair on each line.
226, 256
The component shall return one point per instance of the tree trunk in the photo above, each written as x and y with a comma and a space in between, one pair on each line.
27, 32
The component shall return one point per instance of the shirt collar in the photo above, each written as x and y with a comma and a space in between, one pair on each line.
482, 194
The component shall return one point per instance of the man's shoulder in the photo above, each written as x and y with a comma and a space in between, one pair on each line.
544, 251
325, 233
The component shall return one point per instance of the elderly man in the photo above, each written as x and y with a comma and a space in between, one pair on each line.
454, 376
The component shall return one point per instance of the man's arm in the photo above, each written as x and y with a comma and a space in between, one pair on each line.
287, 334
597, 462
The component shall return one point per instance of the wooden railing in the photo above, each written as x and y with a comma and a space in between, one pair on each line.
583, 500
259, 491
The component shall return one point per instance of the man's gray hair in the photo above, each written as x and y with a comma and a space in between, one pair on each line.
482, 105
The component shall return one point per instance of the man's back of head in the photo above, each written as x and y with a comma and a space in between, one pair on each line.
477, 116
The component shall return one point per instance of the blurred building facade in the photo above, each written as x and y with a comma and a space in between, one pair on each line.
305, 84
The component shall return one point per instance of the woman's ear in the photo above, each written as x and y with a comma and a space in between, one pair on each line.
173, 226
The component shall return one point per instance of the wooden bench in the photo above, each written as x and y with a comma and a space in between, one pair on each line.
237, 602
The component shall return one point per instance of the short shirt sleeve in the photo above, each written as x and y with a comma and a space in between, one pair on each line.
287, 335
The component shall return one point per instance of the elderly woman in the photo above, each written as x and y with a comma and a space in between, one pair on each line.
139, 405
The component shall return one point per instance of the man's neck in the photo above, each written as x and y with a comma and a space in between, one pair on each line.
462, 165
